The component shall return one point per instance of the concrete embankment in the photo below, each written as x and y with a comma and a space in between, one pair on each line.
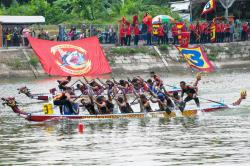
22, 62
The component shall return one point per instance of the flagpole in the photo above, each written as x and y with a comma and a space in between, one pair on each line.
191, 13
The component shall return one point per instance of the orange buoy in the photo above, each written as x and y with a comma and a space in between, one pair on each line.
80, 127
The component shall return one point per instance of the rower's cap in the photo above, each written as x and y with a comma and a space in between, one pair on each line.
161, 96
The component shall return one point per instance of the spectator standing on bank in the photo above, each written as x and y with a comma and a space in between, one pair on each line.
232, 30
192, 33
166, 29
227, 32
15, 37
175, 34
26, 34
136, 34
122, 35
244, 33
198, 32
160, 31
128, 34
218, 32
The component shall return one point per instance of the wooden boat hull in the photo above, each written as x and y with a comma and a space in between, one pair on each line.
158, 114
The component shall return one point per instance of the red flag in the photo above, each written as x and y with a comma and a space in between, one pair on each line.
75, 58
184, 39
210, 6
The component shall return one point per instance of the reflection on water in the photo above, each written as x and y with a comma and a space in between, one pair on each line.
217, 138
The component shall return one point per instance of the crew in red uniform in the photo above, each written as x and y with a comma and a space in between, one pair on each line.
175, 34
128, 35
122, 35
136, 34
160, 31
244, 34
192, 33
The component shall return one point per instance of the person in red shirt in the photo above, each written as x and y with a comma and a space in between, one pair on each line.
122, 35
135, 19
218, 32
136, 34
244, 35
160, 35
149, 34
227, 32
128, 35
222, 31
197, 32
192, 34
174, 30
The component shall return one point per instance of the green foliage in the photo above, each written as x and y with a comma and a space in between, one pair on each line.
131, 51
15, 64
164, 47
211, 57
94, 11
34, 61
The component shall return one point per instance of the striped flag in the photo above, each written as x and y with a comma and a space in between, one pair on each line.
196, 58
210, 6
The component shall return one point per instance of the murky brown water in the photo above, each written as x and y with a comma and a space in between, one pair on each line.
221, 138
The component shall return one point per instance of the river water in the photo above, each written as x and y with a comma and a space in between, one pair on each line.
219, 138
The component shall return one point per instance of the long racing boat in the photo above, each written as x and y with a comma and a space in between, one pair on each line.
43, 116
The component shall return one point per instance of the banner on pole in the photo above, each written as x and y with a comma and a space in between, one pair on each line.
196, 58
71, 58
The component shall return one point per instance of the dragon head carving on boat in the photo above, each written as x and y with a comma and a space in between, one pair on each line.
10, 101
25, 91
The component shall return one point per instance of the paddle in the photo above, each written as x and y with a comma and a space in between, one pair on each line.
214, 101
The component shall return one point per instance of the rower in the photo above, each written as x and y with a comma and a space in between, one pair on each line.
162, 102
157, 80
83, 88
66, 103
144, 103
151, 86
62, 83
89, 105
191, 92
104, 106
123, 104
97, 88
178, 101
108, 85
243, 95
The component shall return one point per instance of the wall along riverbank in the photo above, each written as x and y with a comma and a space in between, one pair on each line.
22, 62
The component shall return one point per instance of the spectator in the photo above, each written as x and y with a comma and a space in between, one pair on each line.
26, 34
218, 32
8, 38
232, 30
128, 35
192, 33
175, 34
198, 32
135, 20
136, 34
227, 32
244, 33
160, 31
166, 29
15, 37
149, 35
122, 35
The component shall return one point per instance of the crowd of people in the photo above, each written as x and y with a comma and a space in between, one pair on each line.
16, 36
118, 90
134, 32
164, 33
93, 93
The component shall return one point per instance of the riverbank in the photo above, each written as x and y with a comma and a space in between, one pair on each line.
22, 62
